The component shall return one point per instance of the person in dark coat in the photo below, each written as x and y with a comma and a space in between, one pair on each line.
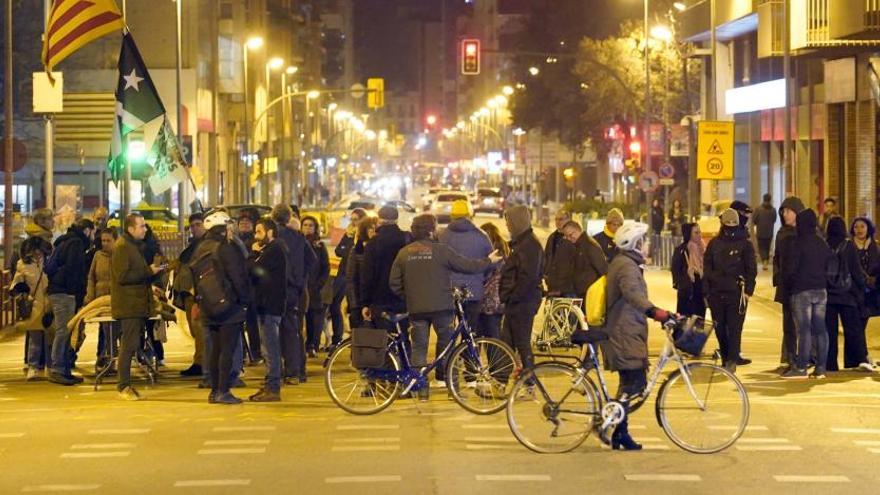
744, 212
130, 296
559, 260
247, 219
658, 217
268, 269
613, 221
846, 301
223, 331
343, 251
677, 218
764, 220
379, 254
353, 271
520, 286
67, 288
182, 288
318, 276
688, 272
805, 270
862, 232
152, 252
730, 272
589, 260
785, 237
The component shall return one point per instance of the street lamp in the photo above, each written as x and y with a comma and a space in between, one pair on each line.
679, 6
291, 70
507, 90
534, 71
661, 33
252, 43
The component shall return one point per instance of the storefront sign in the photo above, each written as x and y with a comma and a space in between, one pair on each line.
762, 96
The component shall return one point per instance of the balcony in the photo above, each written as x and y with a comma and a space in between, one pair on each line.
816, 25
855, 19
733, 18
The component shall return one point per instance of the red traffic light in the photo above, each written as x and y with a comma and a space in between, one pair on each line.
470, 56
635, 148
431, 119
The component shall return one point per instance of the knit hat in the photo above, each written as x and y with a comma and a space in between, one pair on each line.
614, 215
388, 213
730, 218
460, 209
519, 219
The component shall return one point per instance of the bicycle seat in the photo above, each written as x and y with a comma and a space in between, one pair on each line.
395, 318
584, 337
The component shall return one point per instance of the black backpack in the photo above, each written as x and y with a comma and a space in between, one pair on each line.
212, 289
838, 274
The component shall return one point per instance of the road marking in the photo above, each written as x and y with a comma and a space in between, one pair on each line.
231, 451
733, 428
874, 451
483, 446
206, 483
513, 477
368, 440
367, 427
656, 447
810, 479
638, 427
130, 431
871, 431
490, 439
236, 442
8, 399
11, 435
752, 330
486, 427
867, 443
763, 440
89, 446
662, 477
362, 479
243, 428
365, 448
757, 448
59, 488
94, 455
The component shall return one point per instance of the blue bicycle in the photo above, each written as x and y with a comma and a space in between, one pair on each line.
479, 371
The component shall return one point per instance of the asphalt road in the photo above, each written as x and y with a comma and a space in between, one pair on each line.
804, 437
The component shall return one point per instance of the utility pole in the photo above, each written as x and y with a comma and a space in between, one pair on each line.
181, 188
786, 74
7, 139
648, 102
49, 137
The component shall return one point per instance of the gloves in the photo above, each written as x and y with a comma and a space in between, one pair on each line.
658, 314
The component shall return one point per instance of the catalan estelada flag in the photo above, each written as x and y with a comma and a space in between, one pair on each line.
74, 23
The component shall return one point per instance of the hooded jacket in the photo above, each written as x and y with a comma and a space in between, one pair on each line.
844, 248
468, 240
589, 264
806, 262
784, 236
130, 279
521, 273
231, 260
679, 263
729, 257
70, 276
627, 305
559, 258
379, 256
268, 270
422, 274
31, 230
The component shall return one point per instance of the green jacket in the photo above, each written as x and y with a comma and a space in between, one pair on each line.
130, 292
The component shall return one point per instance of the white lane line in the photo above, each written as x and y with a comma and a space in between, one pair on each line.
491, 439
483, 446
368, 440
94, 455
662, 477
513, 477
363, 479
752, 330
11, 435
367, 427
874, 451
231, 451
486, 427
870, 431
236, 442
763, 448
763, 440
810, 479
244, 428
365, 448
129, 431
638, 427
867, 443
99, 446
208, 483
8, 399
732, 428
656, 447
60, 488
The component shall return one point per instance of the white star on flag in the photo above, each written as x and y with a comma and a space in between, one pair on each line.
132, 80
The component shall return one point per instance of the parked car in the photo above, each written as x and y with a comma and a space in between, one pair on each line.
405, 211
489, 200
441, 207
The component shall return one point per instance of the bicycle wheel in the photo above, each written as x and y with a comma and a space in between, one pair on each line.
706, 417
480, 382
553, 408
360, 391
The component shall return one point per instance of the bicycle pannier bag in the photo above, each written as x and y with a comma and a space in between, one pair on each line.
596, 302
368, 347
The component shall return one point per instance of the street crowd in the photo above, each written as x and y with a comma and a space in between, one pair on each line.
258, 289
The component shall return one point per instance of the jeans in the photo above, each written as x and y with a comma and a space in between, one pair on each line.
224, 340
237, 359
271, 349
64, 307
293, 349
855, 349
808, 309
39, 348
490, 326
108, 330
252, 330
132, 331
728, 325
314, 327
421, 327
788, 354
472, 315
336, 317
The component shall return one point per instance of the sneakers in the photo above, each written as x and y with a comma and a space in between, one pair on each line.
817, 375
129, 393
795, 374
66, 380
226, 398
292, 380
264, 395
194, 370
438, 384
33, 375
868, 367
490, 391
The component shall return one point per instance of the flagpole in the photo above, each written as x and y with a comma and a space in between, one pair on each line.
7, 141
181, 191
125, 194
49, 135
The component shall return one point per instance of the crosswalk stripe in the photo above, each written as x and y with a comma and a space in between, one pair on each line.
367, 427
810, 479
363, 479
236, 442
98, 446
60, 488
513, 477
206, 483
244, 428
94, 455
261, 450
365, 448
763, 448
129, 431
870, 431
662, 477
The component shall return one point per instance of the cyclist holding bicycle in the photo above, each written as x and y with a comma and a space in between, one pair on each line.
628, 308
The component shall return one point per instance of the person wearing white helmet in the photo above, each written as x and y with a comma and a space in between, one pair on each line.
628, 308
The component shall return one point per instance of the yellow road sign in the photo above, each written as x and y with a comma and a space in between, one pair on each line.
715, 150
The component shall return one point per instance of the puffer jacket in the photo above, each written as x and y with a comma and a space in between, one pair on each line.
468, 240
728, 257
626, 307
32, 275
589, 264
99, 276
70, 276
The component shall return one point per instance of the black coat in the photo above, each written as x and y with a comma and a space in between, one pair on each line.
300, 259
268, 270
764, 220
70, 255
521, 274
606, 242
589, 264
318, 275
679, 269
729, 257
805, 266
559, 257
233, 264
855, 296
343, 251
353, 276
658, 219
869, 261
379, 257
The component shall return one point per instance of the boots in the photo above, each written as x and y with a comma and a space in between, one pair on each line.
621, 440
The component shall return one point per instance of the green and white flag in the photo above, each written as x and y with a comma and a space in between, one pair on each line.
167, 160
137, 102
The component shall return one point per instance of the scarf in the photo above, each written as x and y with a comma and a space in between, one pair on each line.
695, 251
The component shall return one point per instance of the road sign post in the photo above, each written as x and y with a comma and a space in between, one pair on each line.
715, 150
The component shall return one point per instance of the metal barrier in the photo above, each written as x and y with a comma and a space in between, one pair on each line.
662, 247
173, 243
7, 303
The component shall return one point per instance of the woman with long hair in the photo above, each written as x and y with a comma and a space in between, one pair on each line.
687, 272
862, 232
846, 296
318, 276
366, 230
490, 313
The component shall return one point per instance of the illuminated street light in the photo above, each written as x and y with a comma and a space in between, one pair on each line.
332, 106
534, 71
519, 131
342, 115
254, 42
276, 63
679, 6
501, 100
507, 90
484, 112
292, 69
460, 125
661, 33
313, 94
137, 150
370, 135
383, 134
431, 120
491, 103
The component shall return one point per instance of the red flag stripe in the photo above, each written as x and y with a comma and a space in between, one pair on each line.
94, 22
67, 16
